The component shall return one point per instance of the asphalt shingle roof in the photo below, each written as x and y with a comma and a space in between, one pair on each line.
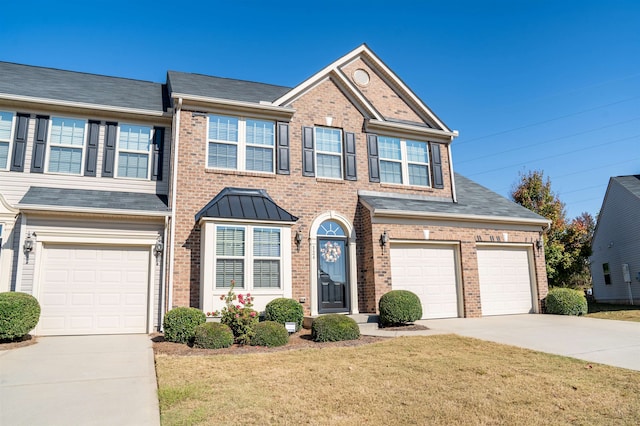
70, 86
92, 199
241, 203
632, 183
223, 88
472, 200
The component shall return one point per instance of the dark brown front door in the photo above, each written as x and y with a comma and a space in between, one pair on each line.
332, 275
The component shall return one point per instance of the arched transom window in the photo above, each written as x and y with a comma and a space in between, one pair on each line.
331, 228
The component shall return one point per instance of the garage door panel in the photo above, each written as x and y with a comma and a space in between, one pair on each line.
430, 273
505, 281
93, 290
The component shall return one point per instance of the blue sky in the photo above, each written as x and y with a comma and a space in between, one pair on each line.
545, 85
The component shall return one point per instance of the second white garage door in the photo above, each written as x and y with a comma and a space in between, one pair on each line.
430, 271
93, 290
505, 280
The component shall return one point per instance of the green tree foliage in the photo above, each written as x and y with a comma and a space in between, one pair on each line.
567, 244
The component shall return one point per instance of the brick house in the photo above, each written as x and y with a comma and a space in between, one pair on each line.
335, 192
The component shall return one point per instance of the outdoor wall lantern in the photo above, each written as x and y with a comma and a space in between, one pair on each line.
298, 238
384, 239
539, 244
158, 248
28, 245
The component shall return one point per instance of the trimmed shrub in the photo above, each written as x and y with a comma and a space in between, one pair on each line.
19, 314
269, 333
399, 307
180, 324
566, 301
212, 335
333, 328
284, 310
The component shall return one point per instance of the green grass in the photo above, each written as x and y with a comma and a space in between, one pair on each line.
439, 380
614, 312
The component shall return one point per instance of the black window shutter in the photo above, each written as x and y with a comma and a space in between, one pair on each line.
350, 156
108, 160
308, 155
374, 165
158, 139
39, 144
92, 148
282, 155
436, 165
20, 143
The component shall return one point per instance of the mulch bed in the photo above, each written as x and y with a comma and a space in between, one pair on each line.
27, 340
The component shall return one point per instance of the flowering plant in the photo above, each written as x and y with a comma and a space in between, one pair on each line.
239, 317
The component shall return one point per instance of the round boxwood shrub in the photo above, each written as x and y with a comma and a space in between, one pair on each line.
284, 310
269, 333
19, 314
180, 324
566, 301
212, 335
399, 307
333, 328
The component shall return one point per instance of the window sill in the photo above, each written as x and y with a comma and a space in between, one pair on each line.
241, 173
329, 180
410, 187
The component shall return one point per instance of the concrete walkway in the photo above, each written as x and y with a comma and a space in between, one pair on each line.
80, 380
615, 343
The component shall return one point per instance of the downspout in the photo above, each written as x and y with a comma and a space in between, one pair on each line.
453, 179
174, 185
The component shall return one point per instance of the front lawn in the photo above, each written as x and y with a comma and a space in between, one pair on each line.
614, 312
443, 379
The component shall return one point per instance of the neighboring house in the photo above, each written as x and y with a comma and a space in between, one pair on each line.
335, 192
120, 199
616, 242
83, 197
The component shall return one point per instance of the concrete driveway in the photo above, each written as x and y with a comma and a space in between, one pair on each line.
615, 343
80, 380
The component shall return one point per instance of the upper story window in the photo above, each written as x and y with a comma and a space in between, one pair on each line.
241, 144
6, 126
607, 273
403, 161
134, 145
328, 152
66, 147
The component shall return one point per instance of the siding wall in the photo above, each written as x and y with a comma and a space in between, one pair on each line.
617, 241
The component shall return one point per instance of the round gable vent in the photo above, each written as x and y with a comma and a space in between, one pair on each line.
361, 77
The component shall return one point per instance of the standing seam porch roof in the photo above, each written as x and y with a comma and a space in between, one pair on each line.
245, 204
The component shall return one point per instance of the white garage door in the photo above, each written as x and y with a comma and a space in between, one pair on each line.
93, 290
429, 272
505, 281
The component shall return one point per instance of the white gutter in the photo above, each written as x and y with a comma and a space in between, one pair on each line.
460, 217
243, 105
87, 210
84, 105
174, 195
453, 178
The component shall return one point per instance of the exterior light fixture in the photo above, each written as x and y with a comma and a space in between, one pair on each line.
384, 239
158, 248
298, 239
27, 247
539, 244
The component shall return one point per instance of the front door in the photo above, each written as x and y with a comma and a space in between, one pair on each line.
333, 287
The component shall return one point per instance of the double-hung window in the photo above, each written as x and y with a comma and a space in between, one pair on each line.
328, 152
241, 144
134, 145
66, 147
248, 256
6, 125
403, 161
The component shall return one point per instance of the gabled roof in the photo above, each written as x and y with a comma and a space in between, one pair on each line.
631, 183
245, 204
84, 201
182, 83
37, 84
474, 202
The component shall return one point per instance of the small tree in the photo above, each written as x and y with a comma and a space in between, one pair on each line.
239, 317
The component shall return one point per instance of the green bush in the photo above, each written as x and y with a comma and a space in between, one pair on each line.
180, 324
399, 307
566, 301
284, 310
212, 335
269, 333
19, 314
333, 328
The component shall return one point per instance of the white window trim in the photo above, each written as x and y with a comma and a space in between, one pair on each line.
148, 152
210, 295
50, 144
241, 145
12, 132
317, 151
404, 164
